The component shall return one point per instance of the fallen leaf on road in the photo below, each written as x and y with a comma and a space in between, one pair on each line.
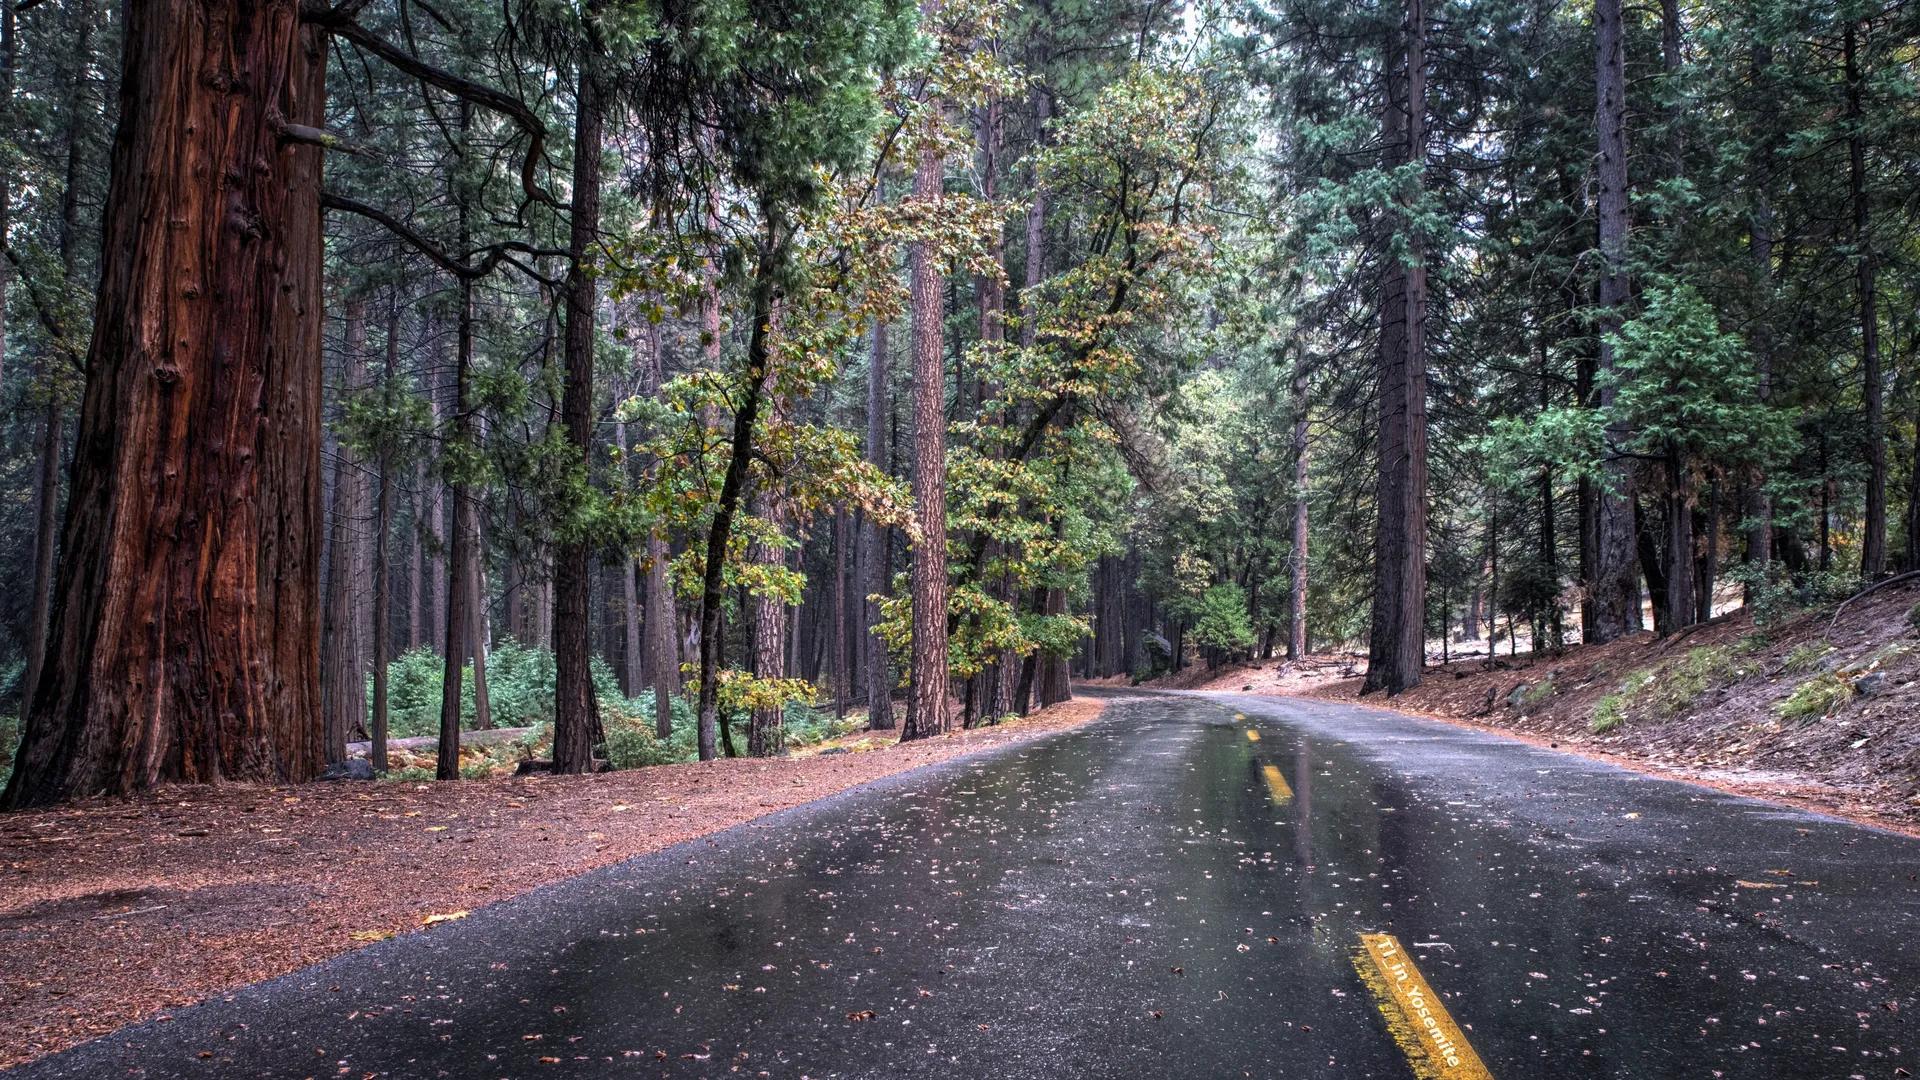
450, 916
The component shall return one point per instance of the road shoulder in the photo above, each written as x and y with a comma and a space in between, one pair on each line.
116, 911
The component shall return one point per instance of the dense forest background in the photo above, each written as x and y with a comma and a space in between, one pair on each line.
691, 375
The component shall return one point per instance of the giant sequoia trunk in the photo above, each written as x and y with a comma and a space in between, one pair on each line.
1612, 591
1397, 645
185, 633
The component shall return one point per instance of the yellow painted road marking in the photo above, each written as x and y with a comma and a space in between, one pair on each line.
1435, 1046
1277, 785
1252, 735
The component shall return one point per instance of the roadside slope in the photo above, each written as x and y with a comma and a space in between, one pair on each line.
1814, 709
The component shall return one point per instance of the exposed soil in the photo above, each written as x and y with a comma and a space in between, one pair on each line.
1800, 712
112, 912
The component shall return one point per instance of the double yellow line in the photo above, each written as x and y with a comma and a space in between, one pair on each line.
1277, 788
1434, 1045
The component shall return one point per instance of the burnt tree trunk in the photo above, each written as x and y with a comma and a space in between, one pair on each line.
184, 642
1297, 560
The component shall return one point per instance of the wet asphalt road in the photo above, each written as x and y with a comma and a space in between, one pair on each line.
1139, 898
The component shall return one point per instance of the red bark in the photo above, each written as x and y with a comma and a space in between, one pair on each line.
186, 628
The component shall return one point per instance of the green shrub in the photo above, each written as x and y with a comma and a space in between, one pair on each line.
1817, 697
1805, 658
1537, 693
9, 745
520, 688
808, 726
1608, 714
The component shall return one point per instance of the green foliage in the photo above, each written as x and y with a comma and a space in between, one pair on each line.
1818, 696
520, 689
9, 745
1218, 619
1537, 693
1806, 657
1608, 714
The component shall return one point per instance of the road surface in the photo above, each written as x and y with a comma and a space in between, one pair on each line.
1194, 886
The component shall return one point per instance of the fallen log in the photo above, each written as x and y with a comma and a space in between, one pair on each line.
488, 737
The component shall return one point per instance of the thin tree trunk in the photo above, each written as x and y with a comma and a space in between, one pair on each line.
207, 321
1681, 604
766, 726
928, 680
459, 578
382, 571
1760, 232
1873, 545
876, 556
732, 487
663, 658
477, 636
842, 674
1297, 560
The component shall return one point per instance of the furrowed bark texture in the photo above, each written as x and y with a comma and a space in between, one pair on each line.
185, 633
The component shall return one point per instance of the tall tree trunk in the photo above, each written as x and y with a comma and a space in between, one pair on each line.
927, 683
1679, 531
459, 577
766, 726
1297, 560
79, 122
663, 656
477, 633
185, 636
343, 692
733, 483
1707, 562
1760, 233
876, 556
1873, 545
417, 558
576, 715
9, 58
1397, 645
842, 673
633, 654
1612, 589
382, 570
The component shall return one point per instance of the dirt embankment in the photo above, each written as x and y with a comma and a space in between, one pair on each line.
1811, 710
111, 912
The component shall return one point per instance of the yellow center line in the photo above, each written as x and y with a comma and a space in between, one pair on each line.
1435, 1046
1252, 735
1277, 785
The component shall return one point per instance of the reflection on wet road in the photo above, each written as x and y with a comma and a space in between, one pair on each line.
1182, 889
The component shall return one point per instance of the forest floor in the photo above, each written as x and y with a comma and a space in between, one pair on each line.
115, 911
1811, 711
